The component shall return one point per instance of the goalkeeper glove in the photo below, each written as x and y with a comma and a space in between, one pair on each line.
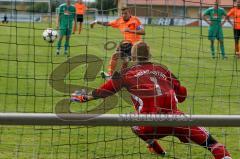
79, 96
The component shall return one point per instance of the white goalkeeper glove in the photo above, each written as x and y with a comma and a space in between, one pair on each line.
79, 96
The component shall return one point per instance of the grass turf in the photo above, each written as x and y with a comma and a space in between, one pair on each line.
27, 61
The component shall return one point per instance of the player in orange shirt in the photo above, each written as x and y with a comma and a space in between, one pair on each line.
131, 29
130, 26
80, 10
235, 14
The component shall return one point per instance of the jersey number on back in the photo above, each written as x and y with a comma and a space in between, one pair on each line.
157, 86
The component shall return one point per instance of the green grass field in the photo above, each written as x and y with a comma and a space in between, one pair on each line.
27, 61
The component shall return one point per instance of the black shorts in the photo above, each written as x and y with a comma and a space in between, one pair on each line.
125, 49
236, 34
79, 18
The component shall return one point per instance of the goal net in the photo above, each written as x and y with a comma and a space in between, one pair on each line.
33, 79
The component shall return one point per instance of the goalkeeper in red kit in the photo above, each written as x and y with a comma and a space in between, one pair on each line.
154, 90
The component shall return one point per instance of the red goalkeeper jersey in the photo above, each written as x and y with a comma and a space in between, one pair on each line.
154, 88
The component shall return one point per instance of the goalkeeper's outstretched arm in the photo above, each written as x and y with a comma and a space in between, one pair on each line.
107, 89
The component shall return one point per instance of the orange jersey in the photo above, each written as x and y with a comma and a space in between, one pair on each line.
80, 8
235, 14
133, 24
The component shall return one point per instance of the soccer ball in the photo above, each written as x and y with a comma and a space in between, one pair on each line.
50, 35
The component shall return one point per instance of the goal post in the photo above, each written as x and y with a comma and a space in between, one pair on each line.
119, 119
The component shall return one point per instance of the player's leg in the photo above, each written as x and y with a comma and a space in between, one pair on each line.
154, 147
236, 40
122, 62
201, 137
80, 28
126, 47
222, 49
113, 63
211, 37
150, 136
217, 149
67, 41
212, 49
111, 66
80, 19
116, 63
66, 45
119, 59
220, 38
59, 43
237, 46
75, 26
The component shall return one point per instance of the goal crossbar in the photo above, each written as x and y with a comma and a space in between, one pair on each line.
119, 119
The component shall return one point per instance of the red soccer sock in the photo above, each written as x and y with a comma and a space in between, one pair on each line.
219, 151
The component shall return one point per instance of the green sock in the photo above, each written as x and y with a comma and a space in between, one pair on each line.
59, 44
213, 50
222, 50
66, 45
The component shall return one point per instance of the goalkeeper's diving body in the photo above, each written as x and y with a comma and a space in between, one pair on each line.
154, 90
131, 29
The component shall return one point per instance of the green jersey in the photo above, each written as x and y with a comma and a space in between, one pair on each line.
215, 16
66, 16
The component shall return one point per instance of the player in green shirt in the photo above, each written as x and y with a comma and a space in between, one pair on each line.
66, 14
213, 16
